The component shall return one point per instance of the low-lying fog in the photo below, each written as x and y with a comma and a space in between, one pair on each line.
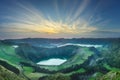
52, 45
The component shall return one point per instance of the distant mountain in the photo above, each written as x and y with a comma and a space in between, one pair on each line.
47, 41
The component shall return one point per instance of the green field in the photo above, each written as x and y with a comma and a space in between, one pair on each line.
8, 54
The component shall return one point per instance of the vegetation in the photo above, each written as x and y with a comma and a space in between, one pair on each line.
80, 57
112, 55
8, 75
28, 70
57, 76
36, 75
96, 76
111, 68
85, 64
81, 70
7, 53
111, 76
9, 67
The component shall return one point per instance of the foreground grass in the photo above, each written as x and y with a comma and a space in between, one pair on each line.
8, 75
36, 75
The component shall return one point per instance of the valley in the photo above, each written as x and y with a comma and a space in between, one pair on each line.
48, 59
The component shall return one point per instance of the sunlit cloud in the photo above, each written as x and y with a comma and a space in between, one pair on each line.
29, 20
32, 20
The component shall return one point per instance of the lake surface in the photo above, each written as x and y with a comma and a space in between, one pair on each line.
52, 61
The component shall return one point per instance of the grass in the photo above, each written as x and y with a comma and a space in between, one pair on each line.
77, 59
28, 70
8, 75
111, 68
8, 54
81, 70
96, 76
111, 76
36, 75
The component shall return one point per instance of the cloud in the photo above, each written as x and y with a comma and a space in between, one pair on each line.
32, 20
80, 9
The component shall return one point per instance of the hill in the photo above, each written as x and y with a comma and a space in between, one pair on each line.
5, 74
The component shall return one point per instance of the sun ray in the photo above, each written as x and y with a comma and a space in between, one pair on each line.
31, 20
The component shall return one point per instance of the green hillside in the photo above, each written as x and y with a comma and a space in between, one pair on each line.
81, 55
8, 75
7, 53
87, 63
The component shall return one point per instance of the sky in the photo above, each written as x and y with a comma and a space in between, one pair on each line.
59, 19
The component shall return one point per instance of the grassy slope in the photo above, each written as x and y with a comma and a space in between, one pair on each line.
36, 76
28, 71
110, 68
79, 58
7, 53
111, 76
81, 70
8, 75
57, 76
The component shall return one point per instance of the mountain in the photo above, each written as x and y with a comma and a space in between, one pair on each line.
84, 61
36, 54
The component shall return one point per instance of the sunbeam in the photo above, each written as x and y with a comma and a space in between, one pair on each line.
74, 18
32, 19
